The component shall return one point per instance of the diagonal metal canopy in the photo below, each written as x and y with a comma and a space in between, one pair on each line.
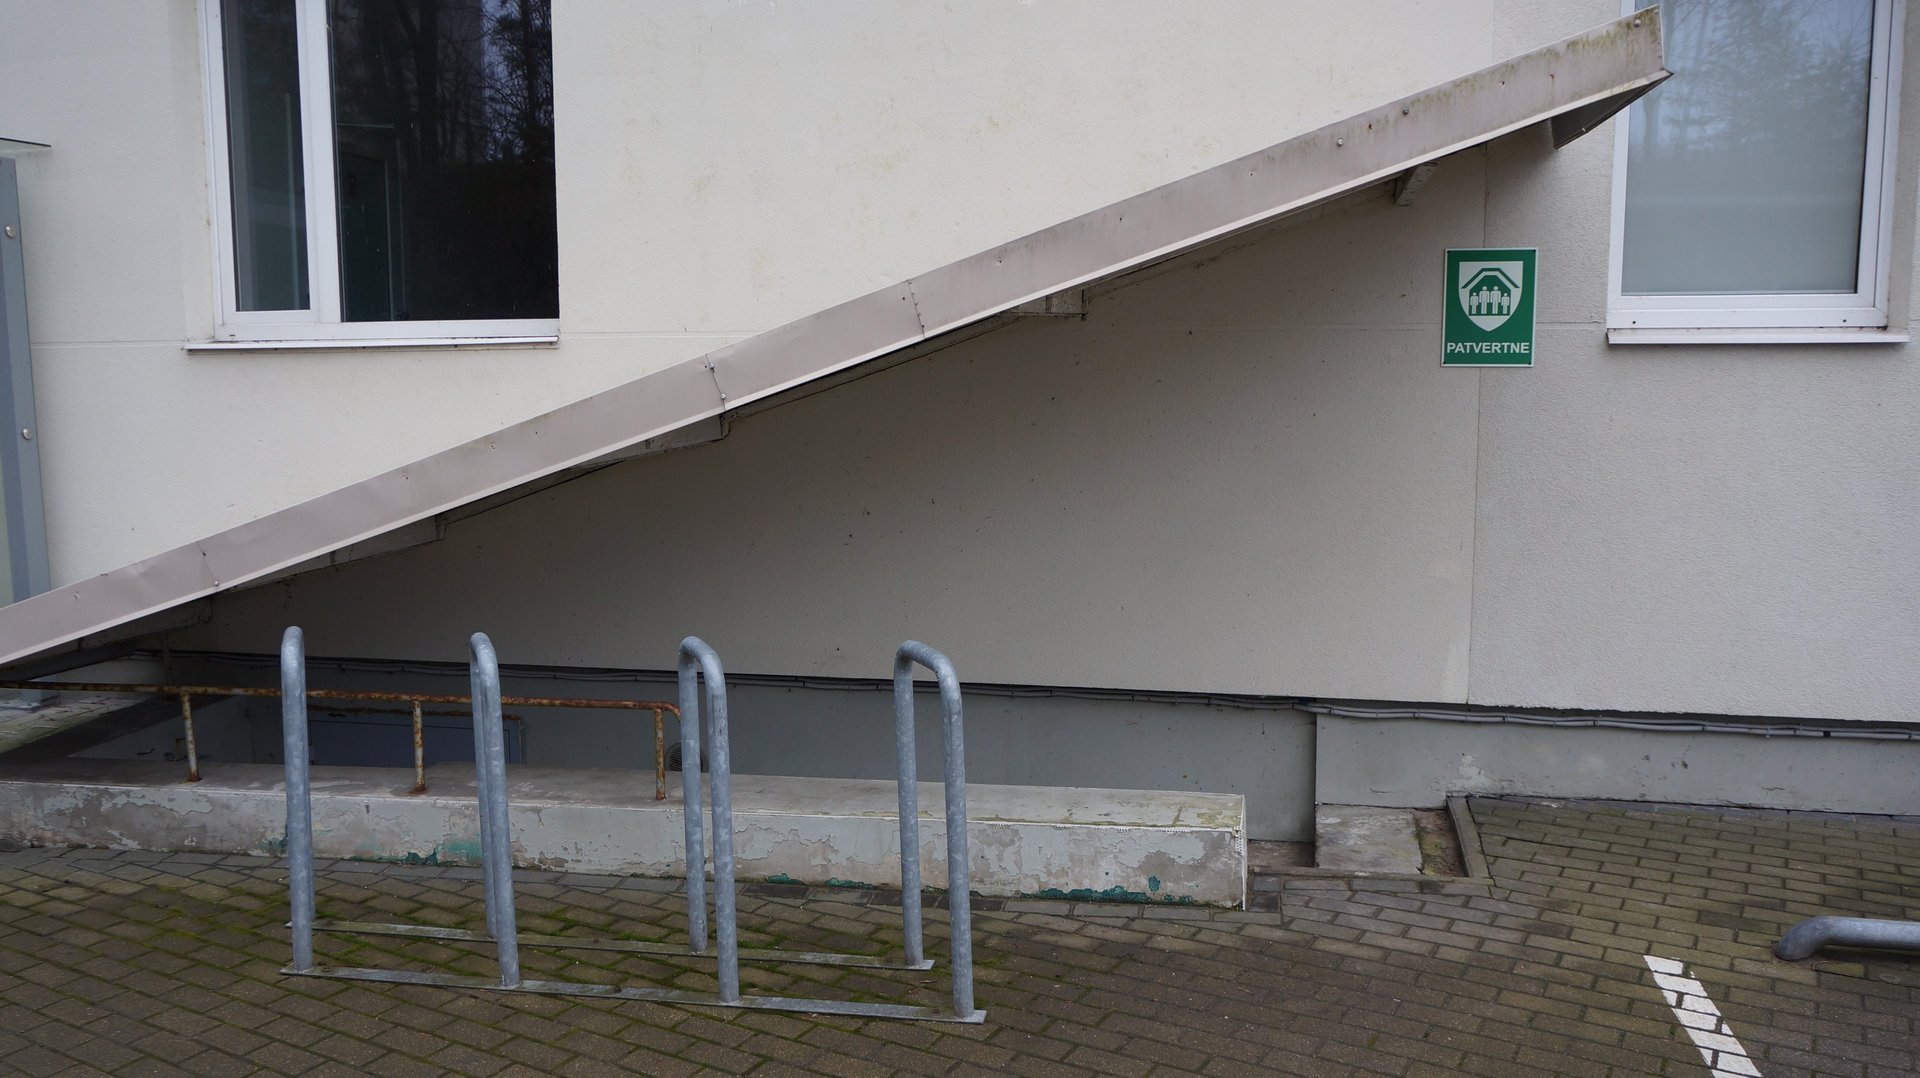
1572, 85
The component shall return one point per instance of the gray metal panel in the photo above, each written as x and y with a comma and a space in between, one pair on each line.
1618, 59
26, 521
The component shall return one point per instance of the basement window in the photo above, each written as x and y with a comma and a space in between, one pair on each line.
1753, 190
382, 169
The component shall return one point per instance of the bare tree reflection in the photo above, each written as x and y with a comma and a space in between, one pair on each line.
265, 157
444, 141
1746, 169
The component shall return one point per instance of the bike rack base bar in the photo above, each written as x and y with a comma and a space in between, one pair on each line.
651, 995
747, 954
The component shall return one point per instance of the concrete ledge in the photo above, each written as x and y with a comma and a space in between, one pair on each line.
1125, 845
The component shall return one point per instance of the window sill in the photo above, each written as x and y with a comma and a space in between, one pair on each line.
377, 344
1818, 335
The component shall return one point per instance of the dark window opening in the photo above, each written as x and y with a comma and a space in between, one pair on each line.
443, 137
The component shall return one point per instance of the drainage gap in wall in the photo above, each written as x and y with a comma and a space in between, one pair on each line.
1361, 842
1439, 843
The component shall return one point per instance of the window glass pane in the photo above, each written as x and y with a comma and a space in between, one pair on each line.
1745, 170
443, 113
263, 145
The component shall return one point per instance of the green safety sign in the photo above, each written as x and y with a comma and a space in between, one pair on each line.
1489, 295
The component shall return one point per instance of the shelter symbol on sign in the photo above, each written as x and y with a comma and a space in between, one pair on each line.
1490, 291
1489, 299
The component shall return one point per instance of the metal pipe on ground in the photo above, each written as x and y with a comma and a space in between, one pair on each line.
1811, 935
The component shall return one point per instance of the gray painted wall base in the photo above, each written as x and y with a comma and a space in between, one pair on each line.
1020, 737
1416, 763
1118, 844
1281, 759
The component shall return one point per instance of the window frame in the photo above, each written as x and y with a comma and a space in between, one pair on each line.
1782, 316
320, 323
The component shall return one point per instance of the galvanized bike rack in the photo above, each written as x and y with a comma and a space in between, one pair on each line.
698, 664
959, 867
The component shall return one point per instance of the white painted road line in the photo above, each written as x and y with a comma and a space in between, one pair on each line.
1724, 1054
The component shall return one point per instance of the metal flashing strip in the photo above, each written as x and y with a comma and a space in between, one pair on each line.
1857, 729
1582, 76
25, 517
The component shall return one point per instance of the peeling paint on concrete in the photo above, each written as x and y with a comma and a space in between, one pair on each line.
1112, 845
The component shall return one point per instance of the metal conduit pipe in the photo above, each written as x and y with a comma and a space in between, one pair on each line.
1841, 729
1815, 933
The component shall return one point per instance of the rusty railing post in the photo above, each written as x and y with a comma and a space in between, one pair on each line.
193, 751
659, 755
419, 751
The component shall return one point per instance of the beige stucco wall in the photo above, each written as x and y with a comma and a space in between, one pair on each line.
1249, 474
1245, 476
1701, 528
722, 168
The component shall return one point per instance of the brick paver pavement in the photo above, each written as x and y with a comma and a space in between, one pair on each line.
139, 963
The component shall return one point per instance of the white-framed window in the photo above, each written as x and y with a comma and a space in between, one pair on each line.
1753, 191
382, 169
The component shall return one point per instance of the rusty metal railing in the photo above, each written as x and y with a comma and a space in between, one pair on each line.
413, 700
